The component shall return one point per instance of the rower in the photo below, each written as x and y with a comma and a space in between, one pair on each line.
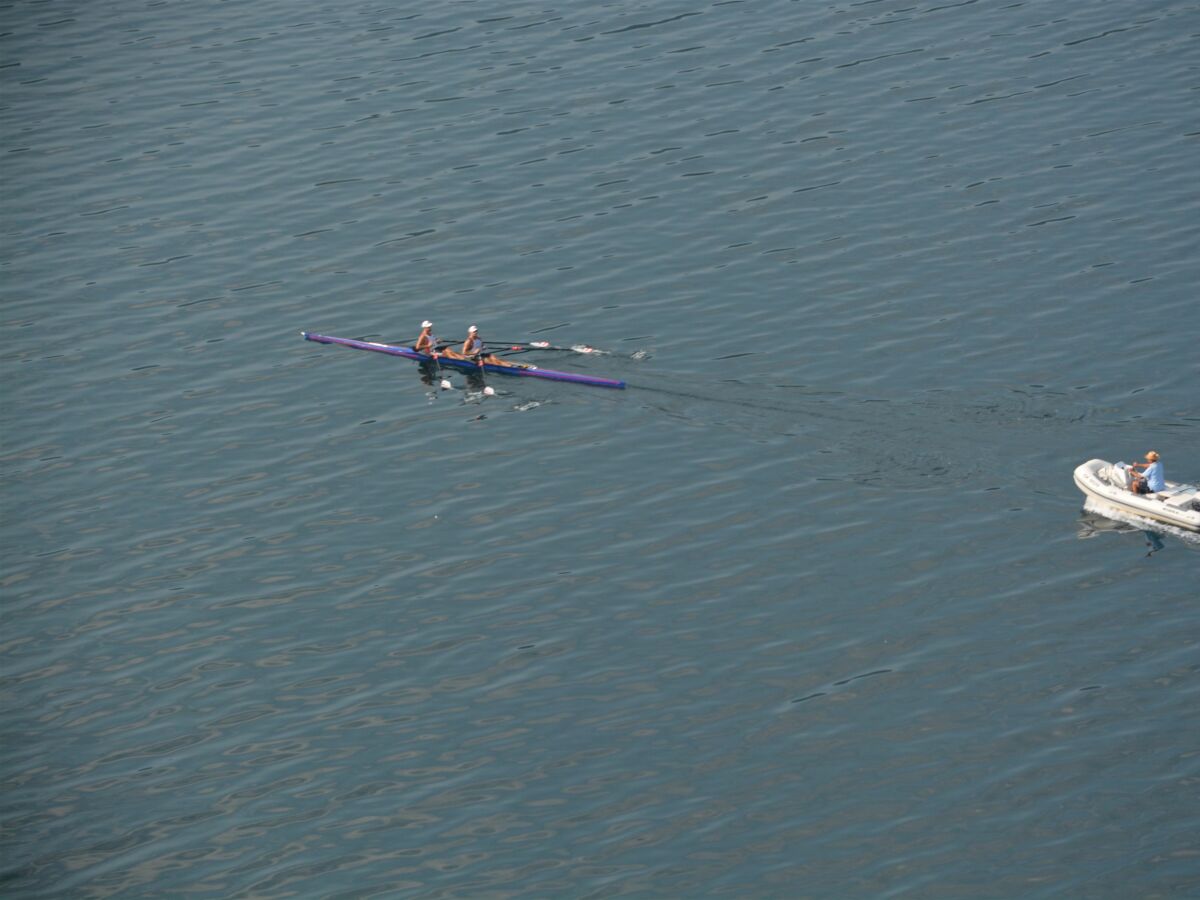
426, 342
472, 348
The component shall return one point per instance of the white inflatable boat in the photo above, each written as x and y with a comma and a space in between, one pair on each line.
1108, 485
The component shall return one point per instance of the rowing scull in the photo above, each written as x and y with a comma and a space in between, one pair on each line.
505, 368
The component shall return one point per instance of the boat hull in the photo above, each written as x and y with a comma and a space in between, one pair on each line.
1175, 506
518, 369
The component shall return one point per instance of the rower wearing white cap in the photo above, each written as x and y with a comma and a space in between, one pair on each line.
472, 348
426, 342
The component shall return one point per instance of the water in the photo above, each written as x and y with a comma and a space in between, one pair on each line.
810, 609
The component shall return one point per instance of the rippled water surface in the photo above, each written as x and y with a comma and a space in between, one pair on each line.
810, 609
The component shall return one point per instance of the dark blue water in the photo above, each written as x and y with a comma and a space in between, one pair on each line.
810, 609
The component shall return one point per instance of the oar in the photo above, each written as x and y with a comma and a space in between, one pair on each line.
486, 389
443, 383
525, 346
441, 345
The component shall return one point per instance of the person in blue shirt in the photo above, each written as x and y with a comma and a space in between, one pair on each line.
1150, 481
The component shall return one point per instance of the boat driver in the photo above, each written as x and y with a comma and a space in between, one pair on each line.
1150, 481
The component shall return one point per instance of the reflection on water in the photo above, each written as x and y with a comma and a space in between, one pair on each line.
1153, 541
476, 383
437, 381
1093, 524
429, 373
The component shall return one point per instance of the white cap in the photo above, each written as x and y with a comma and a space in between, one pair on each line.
472, 330
426, 324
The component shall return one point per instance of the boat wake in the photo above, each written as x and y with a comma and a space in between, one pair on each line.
1101, 517
924, 443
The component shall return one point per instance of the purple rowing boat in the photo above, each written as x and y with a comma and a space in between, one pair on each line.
506, 368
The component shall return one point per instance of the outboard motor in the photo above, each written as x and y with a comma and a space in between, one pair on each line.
1119, 475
